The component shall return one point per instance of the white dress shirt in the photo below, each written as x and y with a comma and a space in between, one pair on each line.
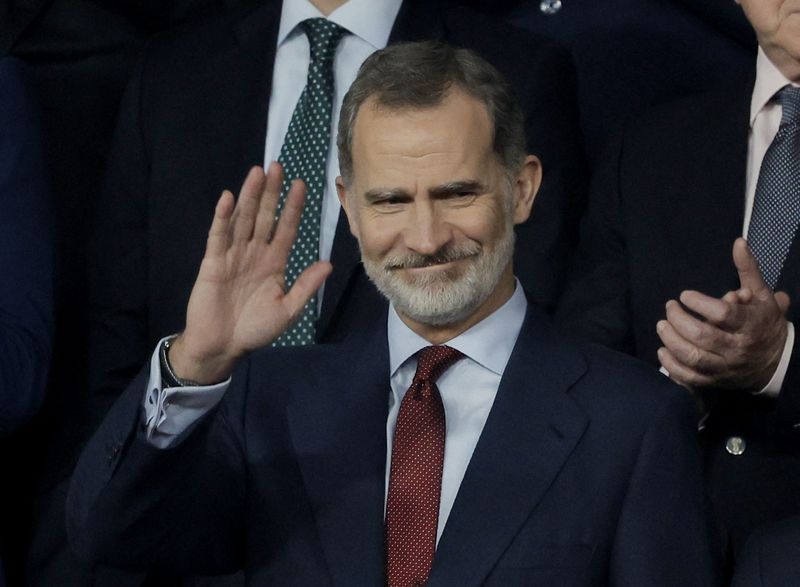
765, 118
468, 390
369, 23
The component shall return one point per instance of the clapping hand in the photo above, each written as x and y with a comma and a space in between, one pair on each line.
736, 342
239, 302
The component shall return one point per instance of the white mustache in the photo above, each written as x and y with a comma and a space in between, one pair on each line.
443, 255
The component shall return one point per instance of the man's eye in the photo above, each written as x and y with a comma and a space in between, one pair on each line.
388, 203
461, 197
391, 200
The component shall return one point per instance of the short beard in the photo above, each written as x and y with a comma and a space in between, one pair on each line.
443, 298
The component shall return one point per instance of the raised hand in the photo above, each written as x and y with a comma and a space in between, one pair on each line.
238, 302
738, 340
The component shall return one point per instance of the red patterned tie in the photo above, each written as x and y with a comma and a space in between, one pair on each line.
415, 482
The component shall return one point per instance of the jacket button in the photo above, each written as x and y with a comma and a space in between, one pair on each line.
550, 6
735, 445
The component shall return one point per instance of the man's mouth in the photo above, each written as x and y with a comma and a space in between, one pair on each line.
445, 257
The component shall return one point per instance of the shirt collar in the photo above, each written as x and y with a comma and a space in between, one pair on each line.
488, 343
769, 81
370, 20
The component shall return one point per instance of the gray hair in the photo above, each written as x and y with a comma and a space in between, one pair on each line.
420, 75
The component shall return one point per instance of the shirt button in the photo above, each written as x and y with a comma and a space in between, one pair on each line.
550, 6
735, 445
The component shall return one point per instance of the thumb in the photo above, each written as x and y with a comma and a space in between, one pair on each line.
306, 285
747, 267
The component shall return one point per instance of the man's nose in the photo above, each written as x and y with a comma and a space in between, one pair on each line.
427, 231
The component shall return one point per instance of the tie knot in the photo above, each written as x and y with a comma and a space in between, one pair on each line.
790, 104
323, 37
432, 361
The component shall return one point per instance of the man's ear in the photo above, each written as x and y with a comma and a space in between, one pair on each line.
341, 191
526, 187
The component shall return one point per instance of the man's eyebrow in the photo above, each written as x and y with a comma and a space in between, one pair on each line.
456, 187
377, 194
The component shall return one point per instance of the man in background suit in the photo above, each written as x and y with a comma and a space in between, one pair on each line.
658, 273
26, 282
514, 457
632, 54
79, 54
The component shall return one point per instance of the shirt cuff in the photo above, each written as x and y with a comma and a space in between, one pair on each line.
170, 411
773, 388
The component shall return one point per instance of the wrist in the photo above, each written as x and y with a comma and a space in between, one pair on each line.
193, 368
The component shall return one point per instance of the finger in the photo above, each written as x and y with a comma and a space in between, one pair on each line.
731, 297
305, 286
692, 356
747, 267
783, 301
679, 372
705, 335
249, 196
219, 233
292, 211
717, 311
265, 219
744, 296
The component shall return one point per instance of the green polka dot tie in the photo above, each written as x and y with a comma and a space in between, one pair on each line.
304, 155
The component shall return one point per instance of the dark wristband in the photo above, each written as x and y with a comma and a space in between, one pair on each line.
168, 377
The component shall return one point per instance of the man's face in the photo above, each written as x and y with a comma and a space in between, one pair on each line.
433, 209
777, 25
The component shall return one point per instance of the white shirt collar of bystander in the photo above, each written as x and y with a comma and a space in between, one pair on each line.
370, 20
769, 81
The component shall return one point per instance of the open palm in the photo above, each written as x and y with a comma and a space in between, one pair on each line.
239, 302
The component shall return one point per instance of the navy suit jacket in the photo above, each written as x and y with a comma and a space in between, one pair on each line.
26, 256
664, 212
586, 473
771, 557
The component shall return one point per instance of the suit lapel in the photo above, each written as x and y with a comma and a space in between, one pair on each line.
345, 258
532, 429
713, 198
338, 427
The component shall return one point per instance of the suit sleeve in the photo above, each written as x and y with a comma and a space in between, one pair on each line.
665, 533
177, 509
596, 302
26, 264
788, 402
